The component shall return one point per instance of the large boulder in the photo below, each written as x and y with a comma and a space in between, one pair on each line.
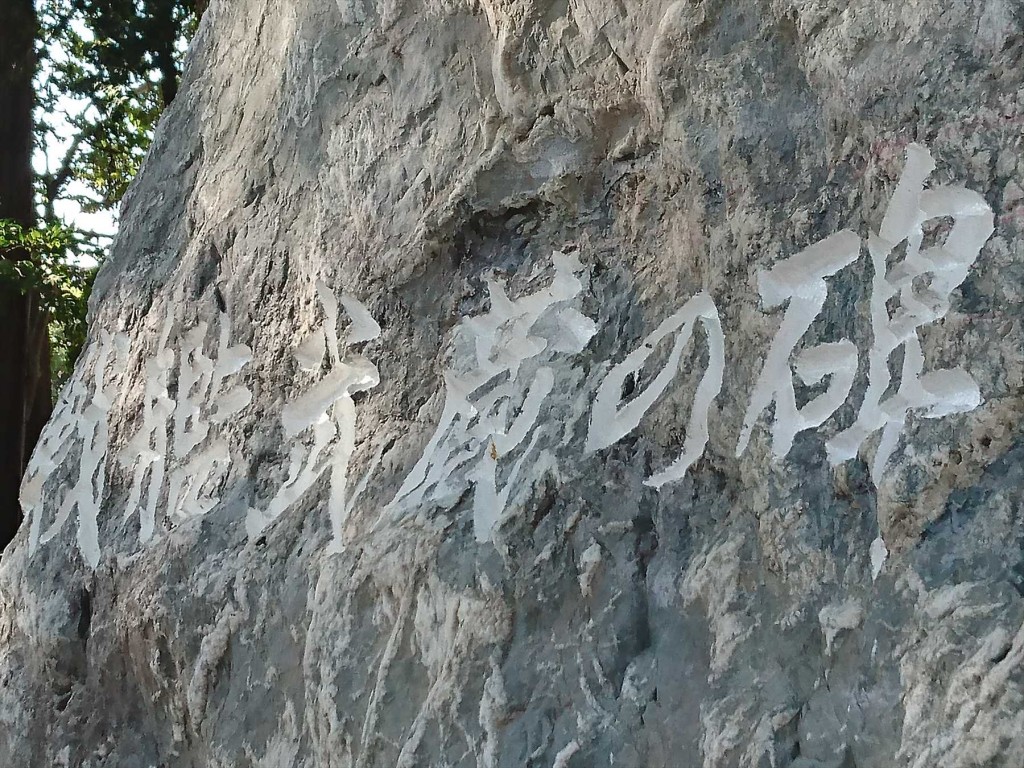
503, 384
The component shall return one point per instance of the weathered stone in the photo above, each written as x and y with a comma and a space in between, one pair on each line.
265, 560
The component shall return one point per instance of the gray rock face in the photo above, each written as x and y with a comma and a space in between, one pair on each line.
407, 432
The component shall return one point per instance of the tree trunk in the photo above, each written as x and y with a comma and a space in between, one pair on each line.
162, 35
24, 346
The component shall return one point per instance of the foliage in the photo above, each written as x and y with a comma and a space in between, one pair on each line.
38, 260
107, 69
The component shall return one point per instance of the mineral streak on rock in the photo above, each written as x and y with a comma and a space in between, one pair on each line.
547, 384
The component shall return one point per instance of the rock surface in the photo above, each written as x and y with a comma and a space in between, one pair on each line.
267, 531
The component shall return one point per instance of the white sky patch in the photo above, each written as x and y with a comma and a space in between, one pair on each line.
49, 157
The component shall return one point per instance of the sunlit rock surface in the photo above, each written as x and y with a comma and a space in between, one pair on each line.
547, 384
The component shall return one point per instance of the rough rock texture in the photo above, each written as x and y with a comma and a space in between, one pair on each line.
220, 569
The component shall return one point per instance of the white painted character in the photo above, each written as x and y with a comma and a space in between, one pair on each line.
326, 412
204, 399
80, 420
610, 420
800, 282
920, 286
198, 455
501, 377
146, 453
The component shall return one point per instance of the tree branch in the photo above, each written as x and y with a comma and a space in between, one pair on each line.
54, 183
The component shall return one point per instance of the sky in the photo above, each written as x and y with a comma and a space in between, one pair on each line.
48, 158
